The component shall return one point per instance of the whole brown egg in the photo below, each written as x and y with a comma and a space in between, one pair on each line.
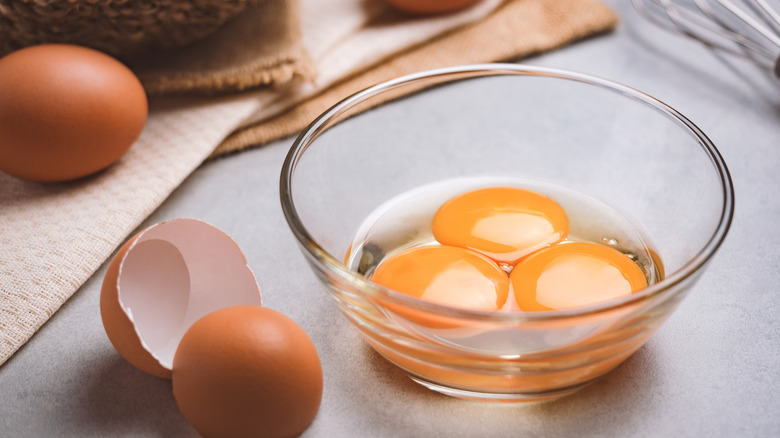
66, 112
247, 371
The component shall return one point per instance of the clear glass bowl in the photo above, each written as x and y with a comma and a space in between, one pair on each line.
611, 142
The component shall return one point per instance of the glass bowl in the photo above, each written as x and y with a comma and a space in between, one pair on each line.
489, 124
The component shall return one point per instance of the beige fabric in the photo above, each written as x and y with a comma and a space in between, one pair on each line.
348, 36
516, 30
54, 237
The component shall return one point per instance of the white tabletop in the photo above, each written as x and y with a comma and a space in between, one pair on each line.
712, 370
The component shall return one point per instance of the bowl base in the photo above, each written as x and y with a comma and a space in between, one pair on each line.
499, 397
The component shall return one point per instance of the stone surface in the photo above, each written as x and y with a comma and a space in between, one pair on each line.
712, 370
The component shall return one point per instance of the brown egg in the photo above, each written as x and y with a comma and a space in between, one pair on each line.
430, 6
66, 112
247, 371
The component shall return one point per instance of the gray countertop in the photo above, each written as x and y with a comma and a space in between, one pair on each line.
712, 370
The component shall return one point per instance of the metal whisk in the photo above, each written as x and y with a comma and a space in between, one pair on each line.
745, 28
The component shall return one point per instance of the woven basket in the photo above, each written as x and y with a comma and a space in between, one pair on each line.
117, 27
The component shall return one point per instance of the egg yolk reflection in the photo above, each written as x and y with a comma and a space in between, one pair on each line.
503, 223
446, 275
574, 274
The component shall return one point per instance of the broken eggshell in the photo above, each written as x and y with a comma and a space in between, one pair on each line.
164, 279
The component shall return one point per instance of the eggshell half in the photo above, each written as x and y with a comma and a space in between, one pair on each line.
164, 279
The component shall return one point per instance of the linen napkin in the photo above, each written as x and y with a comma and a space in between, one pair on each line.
304, 57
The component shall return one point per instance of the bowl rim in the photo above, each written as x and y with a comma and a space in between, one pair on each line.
320, 257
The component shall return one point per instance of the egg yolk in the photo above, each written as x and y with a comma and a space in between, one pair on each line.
503, 223
446, 275
574, 274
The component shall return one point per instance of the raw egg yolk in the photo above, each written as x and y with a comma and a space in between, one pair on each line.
574, 274
446, 275
503, 223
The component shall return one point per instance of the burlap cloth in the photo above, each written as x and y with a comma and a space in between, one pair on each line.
264, 75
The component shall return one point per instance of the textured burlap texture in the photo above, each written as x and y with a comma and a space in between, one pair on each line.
262, 46
117, 27
54, 237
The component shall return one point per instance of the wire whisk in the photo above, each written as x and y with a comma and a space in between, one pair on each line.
745, 28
